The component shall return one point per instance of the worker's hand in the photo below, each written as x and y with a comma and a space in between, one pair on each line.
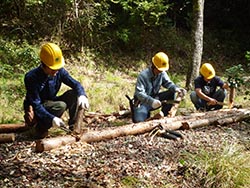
83, 102
181, 91
58, 122
156, 104
212, 102
226, 85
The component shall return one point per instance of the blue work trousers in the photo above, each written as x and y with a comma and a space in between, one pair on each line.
201, 104
142, 111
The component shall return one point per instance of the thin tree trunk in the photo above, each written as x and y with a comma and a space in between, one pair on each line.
197, 34
231, 97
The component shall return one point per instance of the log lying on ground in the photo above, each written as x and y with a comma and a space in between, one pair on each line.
51, 143
7, 137
230, 116
184, 122
94, 136
10, 128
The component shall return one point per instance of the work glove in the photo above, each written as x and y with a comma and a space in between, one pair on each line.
83, 102
156, 104
181, 91
58, 122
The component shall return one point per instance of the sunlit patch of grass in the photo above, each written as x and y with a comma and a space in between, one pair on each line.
108, 93
130, 181
11, 100
228, 168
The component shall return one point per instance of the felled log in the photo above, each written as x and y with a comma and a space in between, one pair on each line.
7, 137
10, 128
192, 121
230, 116
51, 143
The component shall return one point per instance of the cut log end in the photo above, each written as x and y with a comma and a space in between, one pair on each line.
7, 138
52, 143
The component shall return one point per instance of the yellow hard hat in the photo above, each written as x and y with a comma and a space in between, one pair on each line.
160, 60
51, 56
207, 71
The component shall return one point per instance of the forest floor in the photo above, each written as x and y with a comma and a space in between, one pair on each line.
130, 161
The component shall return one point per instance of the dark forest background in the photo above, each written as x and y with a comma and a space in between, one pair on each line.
126, 28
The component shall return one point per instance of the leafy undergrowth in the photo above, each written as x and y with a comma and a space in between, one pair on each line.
131, 161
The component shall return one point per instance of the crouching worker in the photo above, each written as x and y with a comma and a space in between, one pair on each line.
42, 107
206, 95
147, 96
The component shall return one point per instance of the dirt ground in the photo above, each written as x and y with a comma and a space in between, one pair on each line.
131, 161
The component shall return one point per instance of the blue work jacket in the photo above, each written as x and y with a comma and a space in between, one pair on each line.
41, 87
148, 85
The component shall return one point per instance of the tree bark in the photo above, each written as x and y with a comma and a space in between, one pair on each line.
9, 128
79, 120
172, 112
6, 138
197, 34
231, 97
178, 122
52, 143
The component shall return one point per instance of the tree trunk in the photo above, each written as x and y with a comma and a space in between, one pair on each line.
197, 34
178, 122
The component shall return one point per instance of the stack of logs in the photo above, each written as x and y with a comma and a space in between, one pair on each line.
194, 120
7, 131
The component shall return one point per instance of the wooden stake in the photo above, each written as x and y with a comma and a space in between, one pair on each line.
231, 97
79, 120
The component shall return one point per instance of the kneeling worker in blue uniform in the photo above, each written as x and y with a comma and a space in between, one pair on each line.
147, 96
43, 108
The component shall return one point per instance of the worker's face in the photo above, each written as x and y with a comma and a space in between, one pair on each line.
49, 71
156, 71
207, 80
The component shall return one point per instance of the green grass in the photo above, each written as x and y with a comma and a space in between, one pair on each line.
106, 90
11, 100
226, 168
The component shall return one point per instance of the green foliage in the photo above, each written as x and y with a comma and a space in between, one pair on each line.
85, 28
247, 55
123, 35
235, 76
16, 58
149, 12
